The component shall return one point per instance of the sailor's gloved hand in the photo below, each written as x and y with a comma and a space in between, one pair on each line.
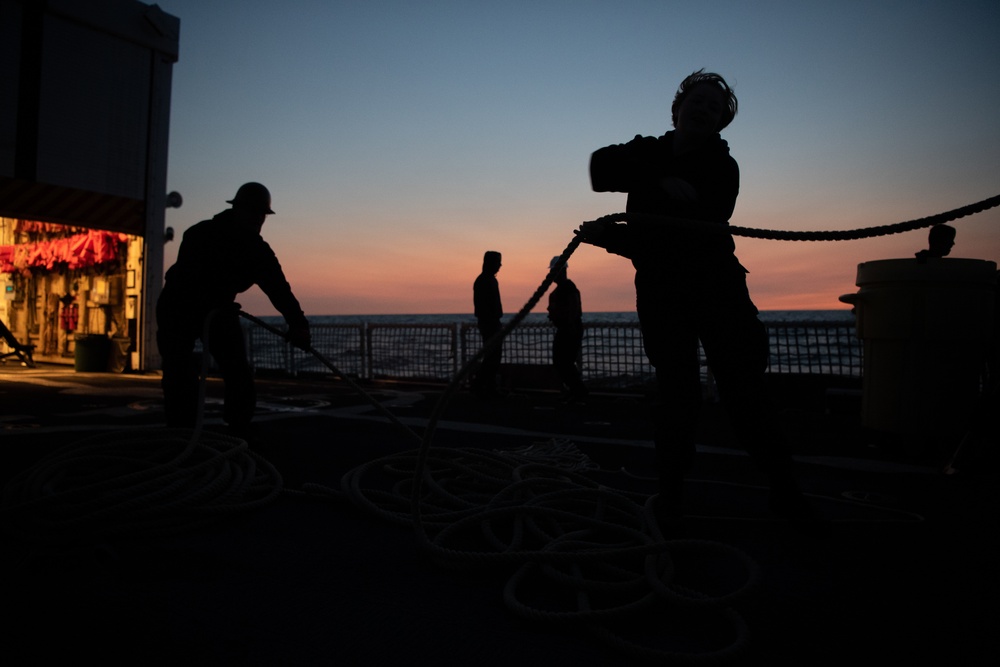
594, 232
299, 336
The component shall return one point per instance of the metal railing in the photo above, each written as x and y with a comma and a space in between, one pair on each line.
822, 348
611, 356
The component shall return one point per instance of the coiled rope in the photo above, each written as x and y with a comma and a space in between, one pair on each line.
136, 482
575, 551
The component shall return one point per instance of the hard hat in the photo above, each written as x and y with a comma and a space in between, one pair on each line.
554, 261
254, 196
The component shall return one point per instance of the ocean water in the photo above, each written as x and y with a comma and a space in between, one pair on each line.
624, 317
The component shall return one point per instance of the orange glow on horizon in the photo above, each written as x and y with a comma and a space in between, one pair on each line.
419, 273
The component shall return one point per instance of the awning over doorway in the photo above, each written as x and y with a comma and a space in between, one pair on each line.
72, 252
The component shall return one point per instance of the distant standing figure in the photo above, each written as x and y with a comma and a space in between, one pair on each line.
488, 311
940, 241
566, 314
690, 286
218, 259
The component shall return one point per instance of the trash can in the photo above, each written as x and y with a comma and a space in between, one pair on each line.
91, 353
925, 328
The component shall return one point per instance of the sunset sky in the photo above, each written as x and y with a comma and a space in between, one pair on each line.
402, 139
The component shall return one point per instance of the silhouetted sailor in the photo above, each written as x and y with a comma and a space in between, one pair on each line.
566, 314
218, 259
940, 240
488, 311
690, 286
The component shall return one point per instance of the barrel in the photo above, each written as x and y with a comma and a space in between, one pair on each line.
925, 328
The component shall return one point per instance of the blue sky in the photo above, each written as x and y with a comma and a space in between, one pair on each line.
402, 139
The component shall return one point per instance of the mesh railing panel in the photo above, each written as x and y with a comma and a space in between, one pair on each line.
611, 356
341, 344
266, 350
529, 344
821, 348
413, 351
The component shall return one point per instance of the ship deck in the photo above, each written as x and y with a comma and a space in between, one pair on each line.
904, 570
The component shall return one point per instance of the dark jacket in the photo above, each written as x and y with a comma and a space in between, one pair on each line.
219, 259
637, 168
565, 307
486, 299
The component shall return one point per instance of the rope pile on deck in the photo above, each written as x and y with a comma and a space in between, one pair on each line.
135, 483
574, 551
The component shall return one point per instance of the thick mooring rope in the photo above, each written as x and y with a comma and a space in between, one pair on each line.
787, 235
